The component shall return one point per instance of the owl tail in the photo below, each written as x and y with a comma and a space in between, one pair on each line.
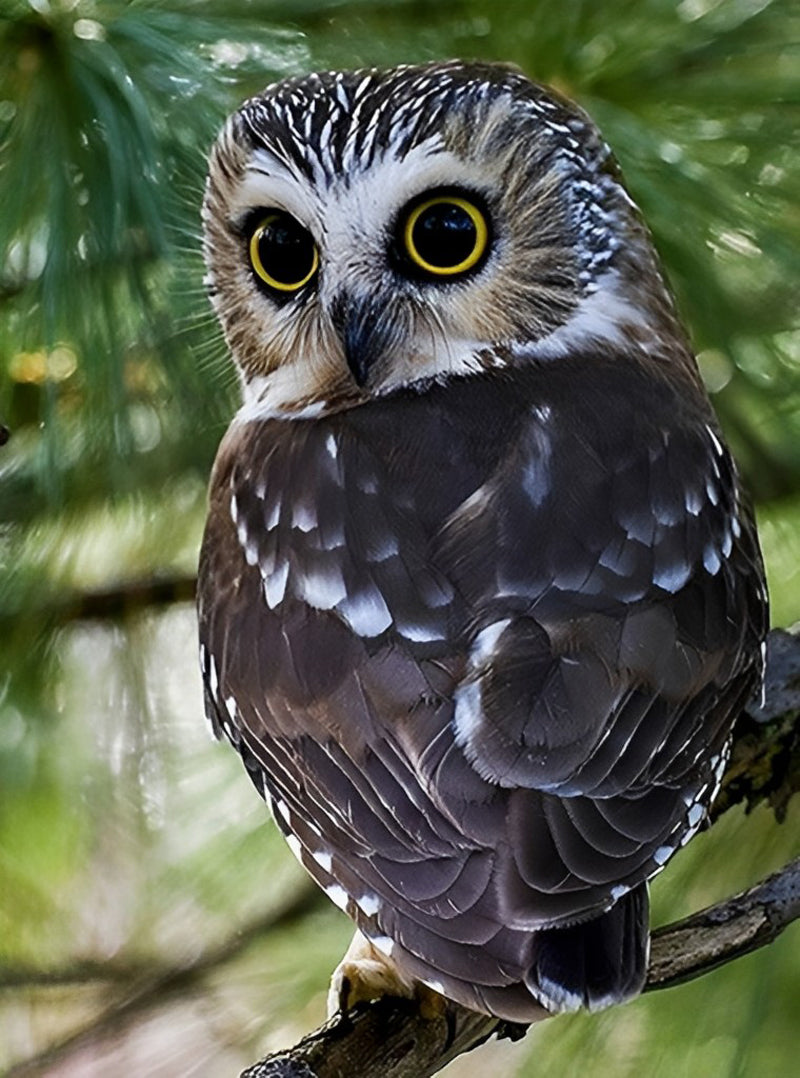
596, 963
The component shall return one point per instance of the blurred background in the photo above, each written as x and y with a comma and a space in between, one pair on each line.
151, 920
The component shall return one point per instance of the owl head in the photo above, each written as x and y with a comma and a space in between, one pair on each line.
372, 230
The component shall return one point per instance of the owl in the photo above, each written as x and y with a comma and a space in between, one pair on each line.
479, 595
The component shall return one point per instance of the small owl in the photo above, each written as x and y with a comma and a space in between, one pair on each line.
479, 597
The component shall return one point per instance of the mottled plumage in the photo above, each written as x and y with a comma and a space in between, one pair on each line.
479, 598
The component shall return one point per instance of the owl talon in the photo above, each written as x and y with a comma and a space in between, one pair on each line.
365, 974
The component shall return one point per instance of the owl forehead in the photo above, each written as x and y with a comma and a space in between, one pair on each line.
332, 129
333, 125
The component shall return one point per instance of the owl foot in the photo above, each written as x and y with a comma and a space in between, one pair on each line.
365, 973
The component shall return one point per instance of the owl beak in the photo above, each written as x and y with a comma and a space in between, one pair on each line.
365, 334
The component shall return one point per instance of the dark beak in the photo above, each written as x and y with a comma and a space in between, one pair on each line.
365, 334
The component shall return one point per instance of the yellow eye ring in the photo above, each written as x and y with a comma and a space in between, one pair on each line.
468, 227
283, 253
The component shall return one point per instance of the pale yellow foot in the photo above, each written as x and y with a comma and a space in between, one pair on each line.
367, 973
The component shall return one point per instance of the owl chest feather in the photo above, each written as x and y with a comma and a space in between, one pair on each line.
402, 538
415, 513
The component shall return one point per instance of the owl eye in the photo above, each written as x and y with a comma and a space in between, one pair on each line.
445, 235
283, 253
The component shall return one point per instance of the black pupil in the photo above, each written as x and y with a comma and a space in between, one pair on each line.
286, 250
444, 235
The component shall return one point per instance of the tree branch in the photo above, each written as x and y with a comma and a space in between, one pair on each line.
113, 602
728, 930
765, 761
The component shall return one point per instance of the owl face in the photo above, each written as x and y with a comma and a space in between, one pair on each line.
371, 230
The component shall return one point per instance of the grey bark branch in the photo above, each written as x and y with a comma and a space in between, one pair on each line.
721, 933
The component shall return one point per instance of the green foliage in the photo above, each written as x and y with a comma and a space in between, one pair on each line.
122, 832
107, 111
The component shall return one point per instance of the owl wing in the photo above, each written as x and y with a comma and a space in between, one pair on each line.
481, 651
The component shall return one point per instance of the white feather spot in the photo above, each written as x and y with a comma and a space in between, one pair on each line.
663, 854
536, 475
322, 857
672, 577
555, 996
366, 613
275, 585
437, 986
369, 904
484, 644
419, 634
388, 548
332, 446
696, 814
383, 943
322, 588
213, 680
694, 501
274, 516
711, 560
303, 517
234, 509
468, 714
330, 537
618, 891
338, 896
230, 707
294, 845
715, 442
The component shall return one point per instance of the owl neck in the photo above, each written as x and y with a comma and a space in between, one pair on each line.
627, 309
